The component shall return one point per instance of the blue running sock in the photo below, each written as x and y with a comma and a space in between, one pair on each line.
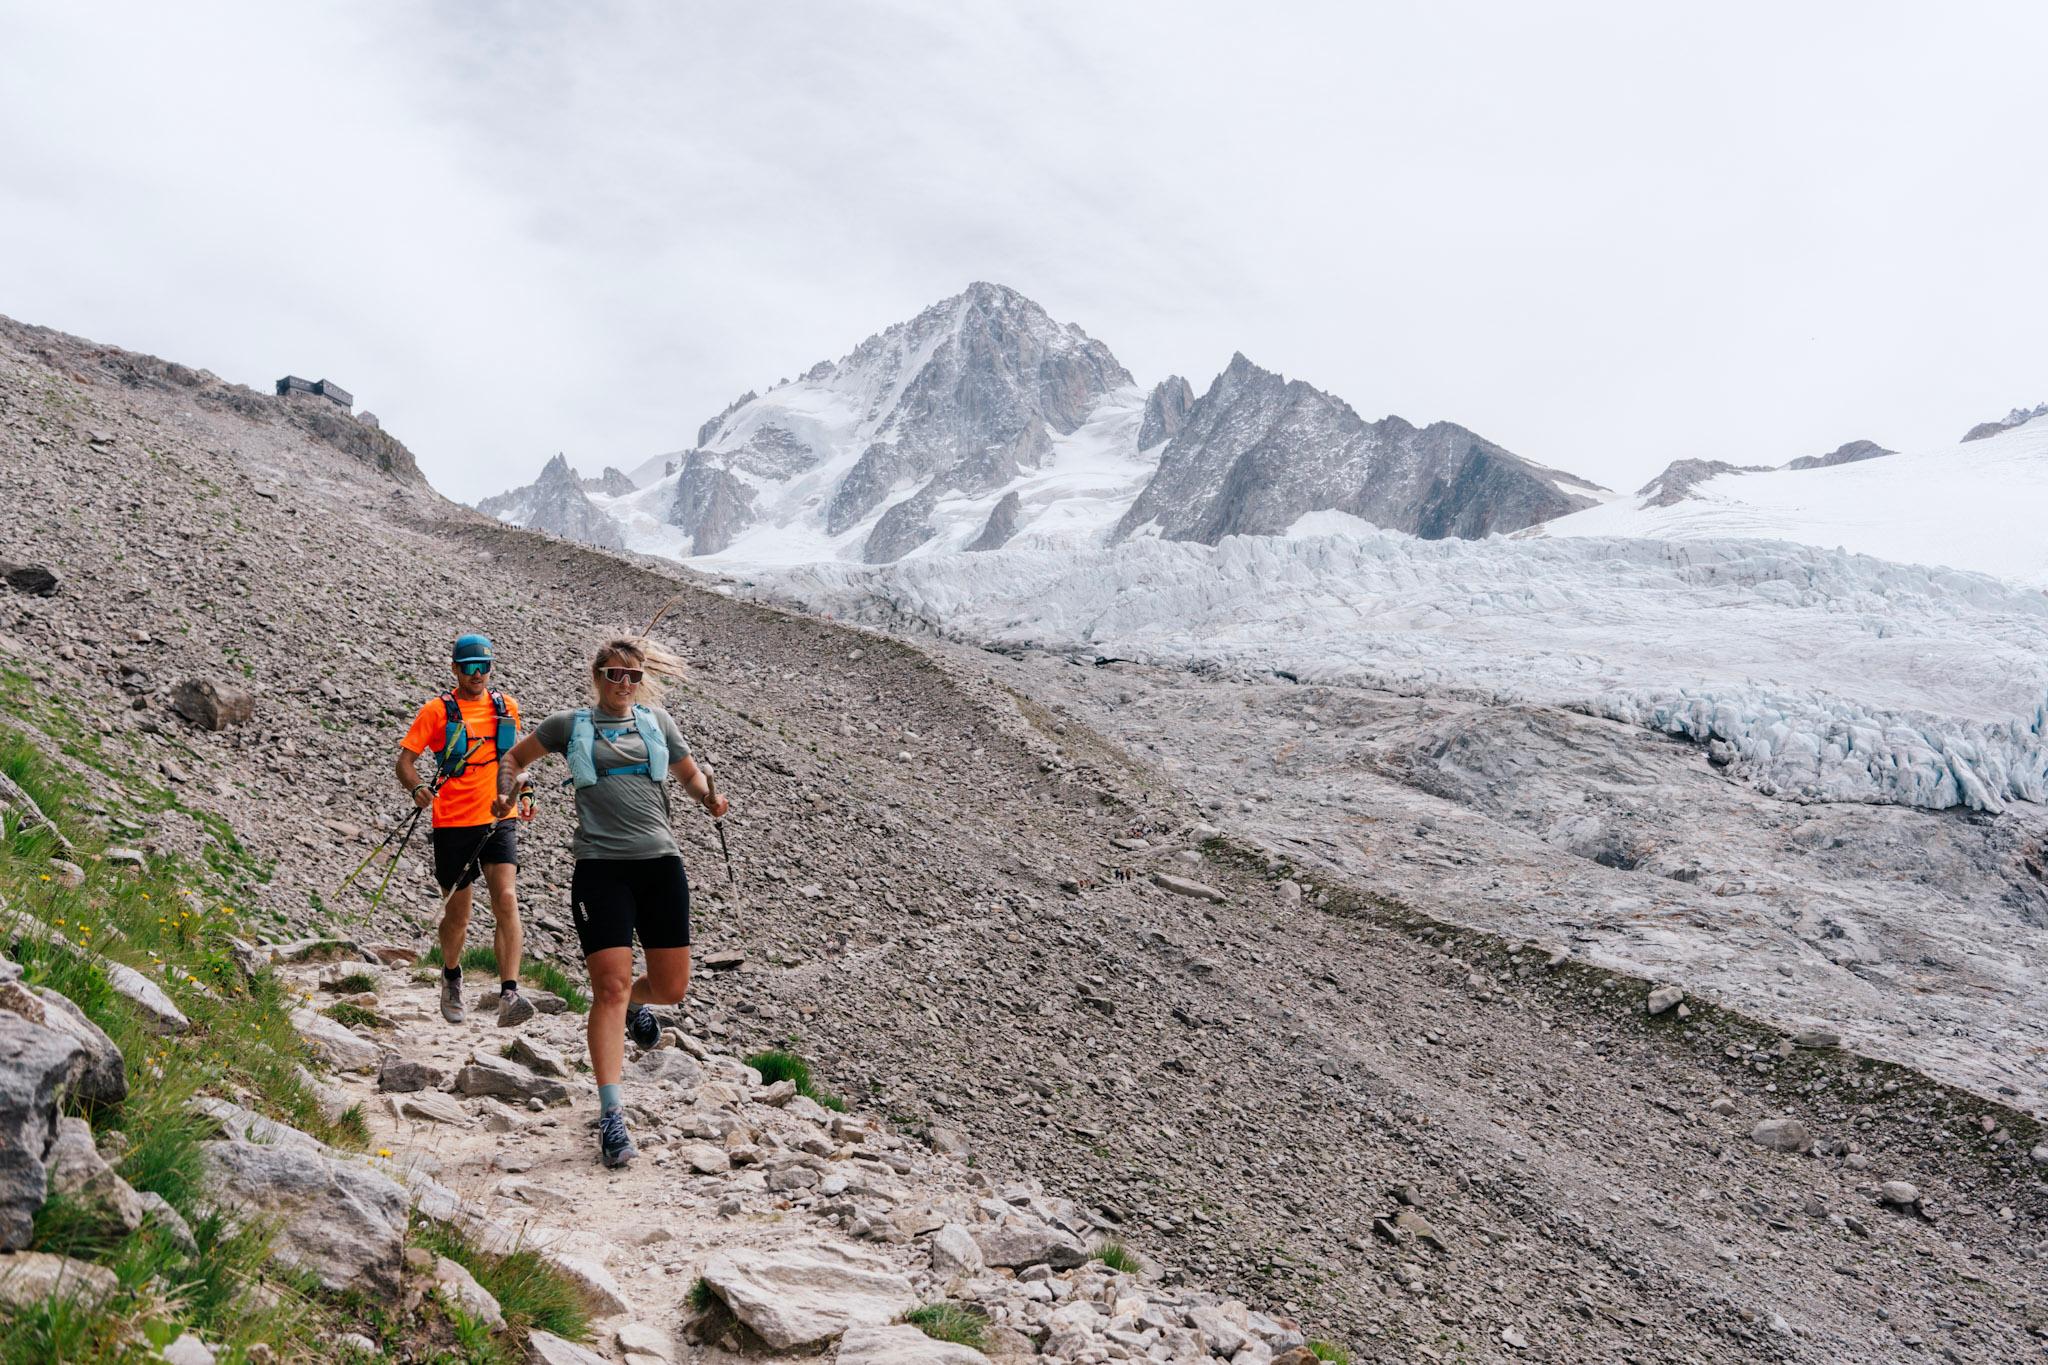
608, 1099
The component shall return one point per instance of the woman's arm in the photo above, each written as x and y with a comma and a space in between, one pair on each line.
697, 782
523, 756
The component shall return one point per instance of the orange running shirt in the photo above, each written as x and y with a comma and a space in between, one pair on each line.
465, 801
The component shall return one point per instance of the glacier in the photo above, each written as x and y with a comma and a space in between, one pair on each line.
1827, 675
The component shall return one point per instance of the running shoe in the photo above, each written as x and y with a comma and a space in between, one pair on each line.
451, 998
514, 1008
642, 1027
614, 1147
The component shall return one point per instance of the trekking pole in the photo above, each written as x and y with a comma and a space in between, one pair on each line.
377, 898
382, 844
718, 823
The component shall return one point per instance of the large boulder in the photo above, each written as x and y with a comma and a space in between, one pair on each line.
902, 1345
341, 1222
1019, 1241
212, 705
804, 1296
105, 1078
37, 1066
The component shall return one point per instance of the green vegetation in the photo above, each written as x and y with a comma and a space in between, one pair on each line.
530, 1292
953, 1322
356, 983
535, 972
1117, 1256
701, 1297
1330, 1351
776, 1064
355, 1016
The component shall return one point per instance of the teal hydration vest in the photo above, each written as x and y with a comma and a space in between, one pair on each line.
456, 746
582, 751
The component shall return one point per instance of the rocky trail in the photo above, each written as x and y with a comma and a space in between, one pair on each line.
1000, 926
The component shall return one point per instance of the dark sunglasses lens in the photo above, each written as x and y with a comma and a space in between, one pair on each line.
476, 667
623, 675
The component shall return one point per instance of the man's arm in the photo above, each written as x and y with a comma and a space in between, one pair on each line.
409, 775
524, 755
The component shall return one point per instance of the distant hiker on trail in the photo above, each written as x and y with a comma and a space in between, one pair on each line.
469, 728
629, 875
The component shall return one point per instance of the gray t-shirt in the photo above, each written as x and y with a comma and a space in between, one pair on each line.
625, 816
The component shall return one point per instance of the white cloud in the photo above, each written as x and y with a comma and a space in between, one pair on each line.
1605, 236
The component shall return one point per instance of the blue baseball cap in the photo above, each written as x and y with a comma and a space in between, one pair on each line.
470, 648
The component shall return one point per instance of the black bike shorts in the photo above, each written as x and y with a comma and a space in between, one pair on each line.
612, 899
461, 853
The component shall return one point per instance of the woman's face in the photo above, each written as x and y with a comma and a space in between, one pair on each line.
617, 681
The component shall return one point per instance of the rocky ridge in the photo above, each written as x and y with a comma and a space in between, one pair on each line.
558, 502
985, 918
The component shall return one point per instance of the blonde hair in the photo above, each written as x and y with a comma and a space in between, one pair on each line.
657, 665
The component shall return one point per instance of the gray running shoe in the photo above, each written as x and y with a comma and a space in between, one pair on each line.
642, 1027
514, 1008
451, 998
614, 1147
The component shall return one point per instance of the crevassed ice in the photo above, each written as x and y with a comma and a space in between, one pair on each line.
1833, 676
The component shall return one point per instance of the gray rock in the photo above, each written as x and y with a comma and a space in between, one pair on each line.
402, 1076
594, 1280
641, 1338
187, 1350
9, 971
507, 1080
1816, 1038
902, 1344
672, 1065
460, 1288
158, 1010
1662, 998
802, 1297
212, 705
432, 1106
28, 1278
249, 1126
37, 1066
157, 1209
955, 1252
1182, 886
77, 1172
538, 1056
1781, 1135
335, 1043
339, 1221
545, 1348
1019, 1241
105, 1078
556, 503
1899, 1193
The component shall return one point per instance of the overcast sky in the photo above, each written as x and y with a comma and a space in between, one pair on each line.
1606, 236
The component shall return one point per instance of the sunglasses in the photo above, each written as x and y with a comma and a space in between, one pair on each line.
474, 668
623, 675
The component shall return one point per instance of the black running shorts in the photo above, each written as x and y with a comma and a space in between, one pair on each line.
460, 853
612, 899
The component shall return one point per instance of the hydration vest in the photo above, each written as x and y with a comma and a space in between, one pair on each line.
456, 746
582, 750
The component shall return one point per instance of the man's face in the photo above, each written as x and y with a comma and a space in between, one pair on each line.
473, 678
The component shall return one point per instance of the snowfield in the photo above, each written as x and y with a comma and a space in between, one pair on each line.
1978, 505
1829, 675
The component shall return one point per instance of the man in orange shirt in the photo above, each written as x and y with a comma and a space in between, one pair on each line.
467, 728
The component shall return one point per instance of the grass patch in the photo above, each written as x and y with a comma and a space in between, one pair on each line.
701, 1296
354, 1016
355, 983
530, 1292
533, 971
776, 1064
1330, 1351
1117, 1256
952, 1322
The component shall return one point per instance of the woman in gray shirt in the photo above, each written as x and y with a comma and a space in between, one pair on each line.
629, 873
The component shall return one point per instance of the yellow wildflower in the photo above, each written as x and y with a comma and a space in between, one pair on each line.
383, 1151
